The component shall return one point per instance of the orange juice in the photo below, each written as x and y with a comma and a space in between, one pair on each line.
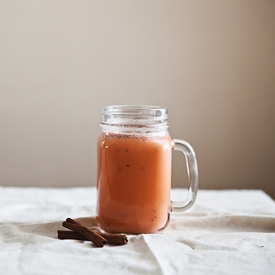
134, 181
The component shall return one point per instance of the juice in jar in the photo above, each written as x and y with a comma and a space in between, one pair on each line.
134, 181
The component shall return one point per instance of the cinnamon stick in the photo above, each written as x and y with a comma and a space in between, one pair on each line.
118, 239
73, 221
90, 235
112, 238
68, 234
81, 232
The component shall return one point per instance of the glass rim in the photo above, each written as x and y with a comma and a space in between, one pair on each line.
136, 111
135, 116
133, 106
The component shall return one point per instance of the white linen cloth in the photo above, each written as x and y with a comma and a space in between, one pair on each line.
225, 232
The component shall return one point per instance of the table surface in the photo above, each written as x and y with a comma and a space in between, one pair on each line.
225, 232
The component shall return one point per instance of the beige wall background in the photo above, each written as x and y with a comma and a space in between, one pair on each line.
211, 63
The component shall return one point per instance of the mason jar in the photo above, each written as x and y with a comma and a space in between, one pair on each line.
134, 162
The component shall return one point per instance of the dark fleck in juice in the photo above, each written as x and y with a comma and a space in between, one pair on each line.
134, 181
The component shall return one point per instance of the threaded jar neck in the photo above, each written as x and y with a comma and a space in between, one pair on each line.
134, 119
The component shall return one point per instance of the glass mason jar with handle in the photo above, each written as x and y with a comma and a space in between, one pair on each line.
134, 170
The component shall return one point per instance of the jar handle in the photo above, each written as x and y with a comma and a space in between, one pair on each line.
192, 172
